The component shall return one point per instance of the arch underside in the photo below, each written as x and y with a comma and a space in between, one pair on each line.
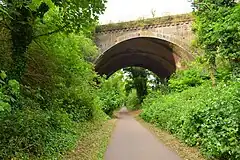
159, 56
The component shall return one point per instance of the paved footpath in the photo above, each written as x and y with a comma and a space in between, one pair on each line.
131, 141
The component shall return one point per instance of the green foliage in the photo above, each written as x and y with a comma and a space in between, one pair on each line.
64, 70
27, 20
34, 133
27, 131
112, 93
132, 101
71, 15
50, 91
58, 95
184, 79
137, 78
203, 116
72, 78
224, 70
217, 31
9, 92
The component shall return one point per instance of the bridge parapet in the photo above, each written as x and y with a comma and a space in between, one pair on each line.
178, 33
145, 23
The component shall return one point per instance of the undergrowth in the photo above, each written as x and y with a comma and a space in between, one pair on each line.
58, 99
201, 116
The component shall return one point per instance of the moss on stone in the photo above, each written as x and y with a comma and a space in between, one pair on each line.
145, 22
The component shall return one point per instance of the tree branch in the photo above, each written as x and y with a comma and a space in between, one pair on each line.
50, 33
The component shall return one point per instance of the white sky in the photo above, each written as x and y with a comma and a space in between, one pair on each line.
125, 10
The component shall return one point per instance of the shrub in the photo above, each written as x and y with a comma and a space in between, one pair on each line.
192, 77
112, 93
203, 116
40, 118
31, 133
63, 74
132, 101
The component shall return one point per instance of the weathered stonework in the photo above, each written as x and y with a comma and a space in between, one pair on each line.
148, 41
176, 33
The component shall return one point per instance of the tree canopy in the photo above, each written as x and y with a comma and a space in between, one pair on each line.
27, 20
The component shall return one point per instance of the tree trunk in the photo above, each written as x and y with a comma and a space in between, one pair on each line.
21, 34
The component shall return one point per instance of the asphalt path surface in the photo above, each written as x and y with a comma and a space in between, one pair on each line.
131, 141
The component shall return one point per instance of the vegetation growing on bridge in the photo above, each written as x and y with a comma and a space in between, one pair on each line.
145, 22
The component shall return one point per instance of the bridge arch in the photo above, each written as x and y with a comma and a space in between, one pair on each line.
162, 54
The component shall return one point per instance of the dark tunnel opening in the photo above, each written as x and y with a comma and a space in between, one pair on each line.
157, 55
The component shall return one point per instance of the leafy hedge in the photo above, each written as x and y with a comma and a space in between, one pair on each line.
195, 76
32, 133
202, 116
43, 116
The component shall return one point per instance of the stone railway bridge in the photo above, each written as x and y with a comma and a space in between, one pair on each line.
161, 45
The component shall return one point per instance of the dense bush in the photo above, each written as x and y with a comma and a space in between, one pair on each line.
48, 90
63, 73
132, 101
192, 77
40, 117
31, 133
28, 131
112, 93
203, 116
217, 32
